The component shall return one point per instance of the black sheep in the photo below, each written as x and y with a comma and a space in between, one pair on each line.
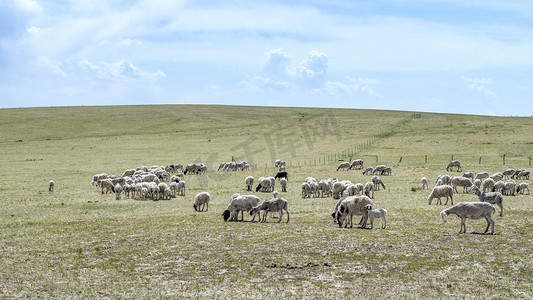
282, 175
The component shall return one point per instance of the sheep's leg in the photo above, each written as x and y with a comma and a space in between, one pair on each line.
463, 225
280, 215
383, 222
371, 221
288, 215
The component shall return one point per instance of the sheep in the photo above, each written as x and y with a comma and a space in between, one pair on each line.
240, 203
128, 172
277, 163
424, 183
324, 188
356, 164
477, 183
282, 175
274, 205
351, 190
522, 187
282, 169
144, 193
201, 201
387, 171
118, 191
181, 188
266, 184
51, 186
221, 166
306, 190
509, 188
107, 184
148, 177
482, 175
379, 169
191, 168
359, 188
173, 188
376, 180
522, 175
138, 191
249, 181
497, 176
369, 188
344, 165
508, 173
463, 182
283, 182
162, 187
378, 213
469, 175
99, 177
454, 163
354, 205
336, 189
127, 188
368, 170
491, 197
471, 210
439, 192
498, 186
488, 184
446, 179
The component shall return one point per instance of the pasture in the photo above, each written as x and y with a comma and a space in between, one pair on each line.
77, 243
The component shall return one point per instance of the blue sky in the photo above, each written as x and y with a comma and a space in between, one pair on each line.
452, 56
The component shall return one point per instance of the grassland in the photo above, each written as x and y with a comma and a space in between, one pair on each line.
78, 243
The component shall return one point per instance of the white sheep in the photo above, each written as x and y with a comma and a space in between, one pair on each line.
344, 165
376, 180
471, 210
497, 176
488, 184
378, 213
508, 173
118, 191
274, 205
127, 188
368, 171
249, 181
336, 189
201, 201
379, 169
491, 197
306, 190
283, 183
51, 186
369, 188
181, 188
482, 175
522, 175
522, 187
173, 188
424, 183
354, 205
509, 187
439, 192
240, 203
356, 164
460, 181
454, 163
477, 183
469, 175
107, 184
446, 179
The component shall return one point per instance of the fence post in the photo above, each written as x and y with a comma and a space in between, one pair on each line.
400, 159
530, 161
504, 159
480, 159
452, 156
426, 158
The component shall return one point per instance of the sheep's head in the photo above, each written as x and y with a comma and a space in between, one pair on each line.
253, 211
430, 199
369, 207
444, 215
195, 207
226, 214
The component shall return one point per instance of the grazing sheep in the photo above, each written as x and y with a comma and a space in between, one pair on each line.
201, 201
127, 190
173, 188
424, 183
498, 186
509, 188
51, 185
376, 180
274, 205
144, 193
469, 175
283, 183
181, 188
344, 165
488, 184
368, 170
128, 172
454, 163
477, 183
497, 176
249, 181
439, 192
277, 163
354, 205
471, 210
524, 174
118, 191
191, 168
336, 189
266, 184
149, 178
324, 188
463, 182
446, 179
378, 213
379, 170
107, 184
99, 177
492, 197
153, 190
138, 191
306, 190
356, 164
522, 187
508, 173
482, 175
240, 203
282, 175
369, 188
162, 187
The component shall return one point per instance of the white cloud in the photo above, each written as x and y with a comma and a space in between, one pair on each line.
123, 69
480, 85
363, 85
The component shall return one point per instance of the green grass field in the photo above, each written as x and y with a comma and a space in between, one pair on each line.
78, 243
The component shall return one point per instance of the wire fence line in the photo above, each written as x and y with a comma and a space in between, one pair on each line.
408, 159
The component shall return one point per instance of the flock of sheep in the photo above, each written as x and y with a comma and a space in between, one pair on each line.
354, 199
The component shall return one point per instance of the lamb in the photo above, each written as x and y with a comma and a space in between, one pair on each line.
454, 163
356, 164
463, 182
249, 181
522, 187
469, 175
376, 180
283, 182
344, 165
118, 191
369, 188
439, 192
482, 175
471, 210
368, 170
51, 185
282, 175
201, 201
488, 184
240, 203
492, 197
354, 205
378, 213
387, 171
424, 183
144, 193
274, 205
138, 191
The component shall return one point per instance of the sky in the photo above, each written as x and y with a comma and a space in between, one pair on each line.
450, 56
